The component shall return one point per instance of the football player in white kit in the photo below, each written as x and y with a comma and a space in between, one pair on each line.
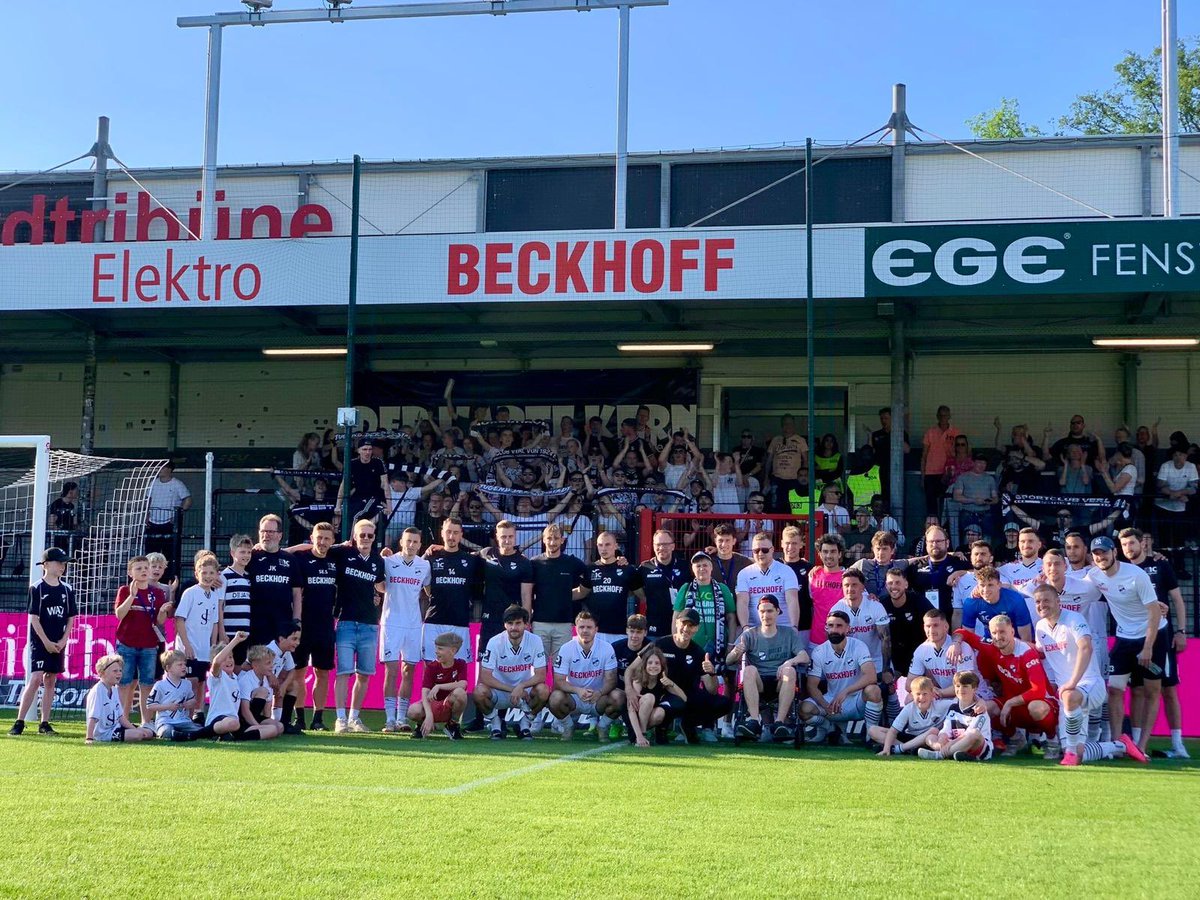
400, 627
1026, 567
851, 690
585, 673
512, 674
1065, 642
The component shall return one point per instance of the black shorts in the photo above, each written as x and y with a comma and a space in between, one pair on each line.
770, 688
42, 660
318, 648
1170, 676
1122, 659
199, 668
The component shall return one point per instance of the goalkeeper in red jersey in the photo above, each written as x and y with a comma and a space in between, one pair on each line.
1027, 702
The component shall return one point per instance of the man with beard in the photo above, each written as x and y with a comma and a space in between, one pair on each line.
930, 577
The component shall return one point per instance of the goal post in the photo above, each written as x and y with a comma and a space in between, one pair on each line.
40, 445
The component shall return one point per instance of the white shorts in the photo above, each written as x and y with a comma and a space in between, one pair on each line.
429, 634
502, 700
611, 638
853, 708
1095, 696
396, 644
1100, 653
582, 707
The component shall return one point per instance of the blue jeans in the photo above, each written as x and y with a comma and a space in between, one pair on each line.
357, 646
139, 664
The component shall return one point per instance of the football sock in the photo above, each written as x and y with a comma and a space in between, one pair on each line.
1074, 728
893, 707
1136, 735
605, 722
873, 712
402, 709
289, 707
389, 708
300, 718
341, 712
354, 713
1176, 738
1094, 750
1095, 726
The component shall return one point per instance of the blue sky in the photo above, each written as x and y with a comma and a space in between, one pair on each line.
705, 73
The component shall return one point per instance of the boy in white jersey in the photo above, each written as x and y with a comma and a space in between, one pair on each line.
585, 673
851, 691
1142, 633
512, 675
106, 719
172, 699
910, 730
1065, 642
1027, 566
224, 698
400, 627
283, 670
256, 697
198, 625
966, 732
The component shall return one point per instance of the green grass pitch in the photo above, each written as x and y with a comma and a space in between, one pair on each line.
380, 815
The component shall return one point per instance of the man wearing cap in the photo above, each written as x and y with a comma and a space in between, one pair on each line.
714, 604
971, 534
1142, 633
1010, 549
694, 670
772, 653
52, 611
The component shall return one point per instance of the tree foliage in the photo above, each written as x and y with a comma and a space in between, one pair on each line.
1002, 122
1134, 104
1131, 106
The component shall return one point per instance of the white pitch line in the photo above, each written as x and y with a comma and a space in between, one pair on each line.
391, 790
536, 767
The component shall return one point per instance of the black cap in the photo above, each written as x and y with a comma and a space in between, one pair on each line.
55, 554
700, 555
690, 616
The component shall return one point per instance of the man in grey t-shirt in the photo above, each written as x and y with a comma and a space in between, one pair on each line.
975, 493
772, 654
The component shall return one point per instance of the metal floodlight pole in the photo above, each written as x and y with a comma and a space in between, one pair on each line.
351, 324
620, 217
1170, 109
212, 108
338, 14
809, 324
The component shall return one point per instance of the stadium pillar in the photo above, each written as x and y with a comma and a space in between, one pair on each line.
351, 304
899, 405
899, 126
212, 106
810, 341
1129, 366
173, 406
1170, 108
620, 220
100, 152
87, 421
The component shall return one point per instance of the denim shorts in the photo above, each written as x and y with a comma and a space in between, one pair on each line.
139, 664
357, 648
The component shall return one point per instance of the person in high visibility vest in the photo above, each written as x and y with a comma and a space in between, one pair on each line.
866, 480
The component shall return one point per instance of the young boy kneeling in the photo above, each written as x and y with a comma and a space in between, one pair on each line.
918, 721
443, 690
257, 698
966, 734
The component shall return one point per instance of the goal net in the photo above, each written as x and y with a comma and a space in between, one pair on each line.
92, 507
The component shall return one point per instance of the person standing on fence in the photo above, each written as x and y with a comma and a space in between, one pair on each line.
168, 498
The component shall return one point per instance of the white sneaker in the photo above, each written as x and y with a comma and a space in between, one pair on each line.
1053, 751
568, 728
357, 726
538, 723
390, 727
339, 727
726, 730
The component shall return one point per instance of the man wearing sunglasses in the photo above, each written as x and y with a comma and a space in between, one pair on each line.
766, 577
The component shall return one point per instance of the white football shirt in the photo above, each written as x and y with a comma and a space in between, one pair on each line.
585, 669
839, 669
224, 697
777, 581
104, 705
1128, 593
510, 665
402, 599
1059, 646
166, 691
198, 608
865, 624
913, 721
1018, 572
